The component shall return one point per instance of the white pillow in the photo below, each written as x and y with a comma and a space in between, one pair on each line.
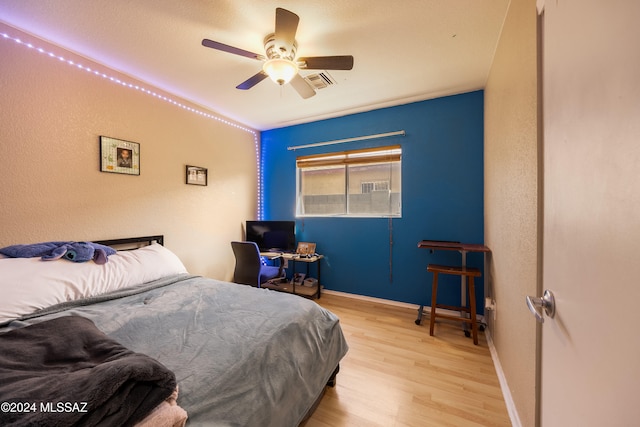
30, 284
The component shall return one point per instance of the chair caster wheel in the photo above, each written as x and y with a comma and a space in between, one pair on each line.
418, 322
467, 334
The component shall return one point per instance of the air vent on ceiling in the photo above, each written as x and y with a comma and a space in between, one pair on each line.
320, 80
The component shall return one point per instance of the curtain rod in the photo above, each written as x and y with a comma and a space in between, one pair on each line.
340, 141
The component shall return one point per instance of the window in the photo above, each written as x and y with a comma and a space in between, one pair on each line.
358, 183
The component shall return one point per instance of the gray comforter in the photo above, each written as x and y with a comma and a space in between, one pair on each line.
242, 356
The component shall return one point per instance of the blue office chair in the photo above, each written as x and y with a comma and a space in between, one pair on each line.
250, 269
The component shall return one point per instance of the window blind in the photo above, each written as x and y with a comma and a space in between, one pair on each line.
391, 153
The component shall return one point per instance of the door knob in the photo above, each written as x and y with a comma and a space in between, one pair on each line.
546, 303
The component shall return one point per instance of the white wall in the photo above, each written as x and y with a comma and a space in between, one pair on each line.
52, 115
511, 201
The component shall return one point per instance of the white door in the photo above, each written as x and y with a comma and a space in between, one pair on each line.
590, 361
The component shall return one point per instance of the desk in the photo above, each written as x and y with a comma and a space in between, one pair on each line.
291, 286
463, 248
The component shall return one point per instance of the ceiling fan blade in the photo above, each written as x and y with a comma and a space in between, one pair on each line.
230, 49
252, 81
286, 27
344, 62
302, 87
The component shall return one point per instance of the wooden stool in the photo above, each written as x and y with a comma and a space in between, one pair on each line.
468, 272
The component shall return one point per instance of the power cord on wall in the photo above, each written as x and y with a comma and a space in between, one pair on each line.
390, 250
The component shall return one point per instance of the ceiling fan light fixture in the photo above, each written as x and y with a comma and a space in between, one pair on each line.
281, 71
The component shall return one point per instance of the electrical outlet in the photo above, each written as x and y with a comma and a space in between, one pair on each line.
490, 305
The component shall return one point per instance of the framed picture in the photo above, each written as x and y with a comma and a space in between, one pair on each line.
119, 156
196, 175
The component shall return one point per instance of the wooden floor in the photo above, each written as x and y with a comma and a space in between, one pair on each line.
396, 375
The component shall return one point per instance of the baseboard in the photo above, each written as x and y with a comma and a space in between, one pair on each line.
506, 391
370, 299
415, 307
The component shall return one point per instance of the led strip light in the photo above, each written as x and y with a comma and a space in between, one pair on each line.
161, 97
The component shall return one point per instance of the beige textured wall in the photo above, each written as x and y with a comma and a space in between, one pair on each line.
51, 117
511, 201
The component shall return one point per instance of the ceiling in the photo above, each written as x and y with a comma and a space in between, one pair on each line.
404, 51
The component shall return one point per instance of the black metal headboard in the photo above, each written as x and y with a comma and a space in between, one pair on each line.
134, 242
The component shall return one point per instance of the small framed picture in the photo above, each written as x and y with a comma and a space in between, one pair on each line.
119, 156
196, 175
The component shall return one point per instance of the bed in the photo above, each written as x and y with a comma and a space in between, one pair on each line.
240, 356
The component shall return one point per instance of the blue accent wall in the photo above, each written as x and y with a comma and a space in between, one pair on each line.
442, 197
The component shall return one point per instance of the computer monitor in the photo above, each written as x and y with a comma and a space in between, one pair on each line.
272, 236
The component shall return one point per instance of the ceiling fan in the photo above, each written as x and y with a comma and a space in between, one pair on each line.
280, 62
